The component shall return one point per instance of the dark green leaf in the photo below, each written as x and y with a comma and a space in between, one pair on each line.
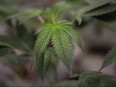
13, 43
110, 58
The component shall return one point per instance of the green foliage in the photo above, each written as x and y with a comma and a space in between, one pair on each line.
90, 79
102, 10
42, 63
54, 38
98, 8
62, 45
56, 34
93, 78
58, 37
55, 13
13, 43
110, 58
28, 14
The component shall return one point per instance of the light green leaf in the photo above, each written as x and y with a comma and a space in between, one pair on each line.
62, 47
42, 63
54, 14
42, 41
74, 35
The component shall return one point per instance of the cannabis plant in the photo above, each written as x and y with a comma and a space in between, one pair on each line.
55, 35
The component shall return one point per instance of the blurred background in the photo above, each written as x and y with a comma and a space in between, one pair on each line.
16, 66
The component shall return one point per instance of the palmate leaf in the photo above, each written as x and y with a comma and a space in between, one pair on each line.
62, 46
110, 57
42, 63
56, 37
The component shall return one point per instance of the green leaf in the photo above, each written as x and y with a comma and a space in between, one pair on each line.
13, 43
102, 10
59, 8
24, 34
54, 14
42, 63
73, 34
55, 37
97, 79
110, 57
91, 7
5, 12
28, 14
42, 41
62, 46
40, 47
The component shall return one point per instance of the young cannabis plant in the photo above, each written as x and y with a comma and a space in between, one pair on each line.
54, 38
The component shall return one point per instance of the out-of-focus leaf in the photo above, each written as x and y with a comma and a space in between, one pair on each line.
92, 7
97, 79
110, 58
28, 14
89, 79
24, 34
102, 10
6, 12
13, 43
5, 50
15, 60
